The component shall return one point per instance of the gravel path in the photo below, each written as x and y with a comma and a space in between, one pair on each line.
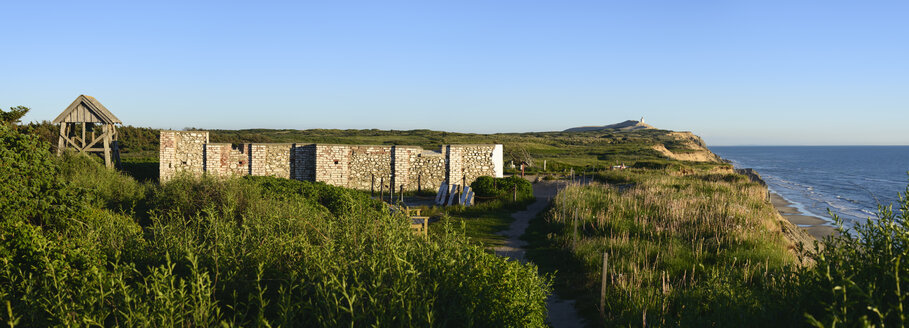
561, 312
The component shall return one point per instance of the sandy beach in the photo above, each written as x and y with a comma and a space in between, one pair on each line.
815, 226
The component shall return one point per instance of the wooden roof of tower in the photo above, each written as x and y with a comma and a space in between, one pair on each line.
86, 109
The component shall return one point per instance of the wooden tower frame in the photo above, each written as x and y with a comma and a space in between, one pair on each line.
77, 129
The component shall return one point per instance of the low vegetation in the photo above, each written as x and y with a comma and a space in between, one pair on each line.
684, 244
699, 247
680, 249
862, 276
81, 245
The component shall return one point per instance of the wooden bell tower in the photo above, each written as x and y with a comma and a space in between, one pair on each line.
79, 124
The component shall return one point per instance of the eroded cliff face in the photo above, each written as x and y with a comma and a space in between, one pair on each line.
687, 147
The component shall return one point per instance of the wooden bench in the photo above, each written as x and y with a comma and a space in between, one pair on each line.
419, 225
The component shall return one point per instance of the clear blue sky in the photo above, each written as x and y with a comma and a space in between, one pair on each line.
734, 72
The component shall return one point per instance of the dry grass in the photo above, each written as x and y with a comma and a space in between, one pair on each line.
684, 249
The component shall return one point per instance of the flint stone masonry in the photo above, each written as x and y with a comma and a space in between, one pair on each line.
361, 167
182, 151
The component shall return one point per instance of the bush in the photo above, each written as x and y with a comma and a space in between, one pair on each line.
256, 251
31, 187
102, 186
503, 188
862, 275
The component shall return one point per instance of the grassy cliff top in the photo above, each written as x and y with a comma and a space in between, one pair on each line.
560, 149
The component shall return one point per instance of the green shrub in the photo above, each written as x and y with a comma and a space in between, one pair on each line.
862, 276
31, 187
503, 188
102, 186
651, 164
256, 251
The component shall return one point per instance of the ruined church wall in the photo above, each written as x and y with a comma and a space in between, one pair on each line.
304, 157
427, 171
181, 151
370, 165
272, 159
362, 167
224, 159
332, 164
477, 161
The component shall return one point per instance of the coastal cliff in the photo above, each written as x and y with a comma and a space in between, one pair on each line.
686, 147
793, 233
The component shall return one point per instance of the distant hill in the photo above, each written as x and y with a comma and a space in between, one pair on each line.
629, 125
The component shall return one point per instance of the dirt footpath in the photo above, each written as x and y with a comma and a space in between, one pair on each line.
561, 312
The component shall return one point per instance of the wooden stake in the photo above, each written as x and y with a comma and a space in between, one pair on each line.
603, 285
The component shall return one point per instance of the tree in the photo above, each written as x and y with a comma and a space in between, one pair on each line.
13, 115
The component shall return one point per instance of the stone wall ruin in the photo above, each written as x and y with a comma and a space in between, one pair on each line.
363, 167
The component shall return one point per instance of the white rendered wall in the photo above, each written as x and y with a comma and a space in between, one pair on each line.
498, 161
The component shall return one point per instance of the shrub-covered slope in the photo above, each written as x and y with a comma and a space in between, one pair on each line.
81, 245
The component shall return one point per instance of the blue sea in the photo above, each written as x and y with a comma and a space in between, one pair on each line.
850, 181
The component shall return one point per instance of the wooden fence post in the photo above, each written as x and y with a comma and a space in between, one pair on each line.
603, 285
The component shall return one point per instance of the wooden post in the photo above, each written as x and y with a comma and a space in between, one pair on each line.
515, 193
83, 137
419, 183
382, 189
372, 186
107, 160
60, 142
603, 285
391, 190
401, 193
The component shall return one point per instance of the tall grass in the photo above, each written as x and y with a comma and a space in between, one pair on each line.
241, 252
690, 250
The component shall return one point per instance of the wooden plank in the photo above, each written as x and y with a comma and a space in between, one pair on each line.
441, 194
72, 142
107, 159
451, 194
464, 193
103, 136
60, 142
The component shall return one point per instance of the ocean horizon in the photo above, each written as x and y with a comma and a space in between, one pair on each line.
849, 181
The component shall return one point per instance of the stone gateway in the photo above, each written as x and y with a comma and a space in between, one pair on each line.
361, 167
